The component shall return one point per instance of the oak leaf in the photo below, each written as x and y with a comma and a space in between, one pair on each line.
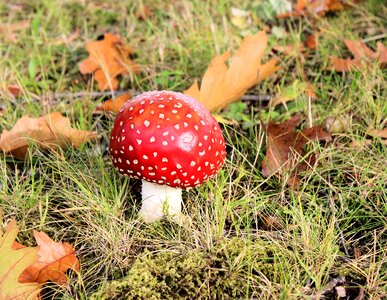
362, 54
108, 59
12, 264
54, 260
50, 131
114, 105
222, 85
285, 148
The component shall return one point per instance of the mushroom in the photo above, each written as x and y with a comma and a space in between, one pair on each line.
170, 141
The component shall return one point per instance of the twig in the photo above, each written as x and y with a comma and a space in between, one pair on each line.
83, 94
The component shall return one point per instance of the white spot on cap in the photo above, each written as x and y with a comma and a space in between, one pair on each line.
152, 173
154, 154
119, 160
193, 163
205, 137
196, 127
173, 173
131, 108
146, 123
189, 116
203, 123
152, 139
130, 148
165, 133
164, 159
145, 157
122, 138
135, 161
142, 102
152, 112
139, 142
161, 116
163, 169
165, 143
178, 166
177, 126
121, 123
184, 174
185, 124
128, 162
161, 106
140, 111
132, 126
193, 177
174, 111
202, 153
206, 163
177, 181
178, 105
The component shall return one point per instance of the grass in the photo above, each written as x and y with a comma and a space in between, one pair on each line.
249, 236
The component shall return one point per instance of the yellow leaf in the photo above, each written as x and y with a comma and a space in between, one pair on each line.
222, 85
12, 264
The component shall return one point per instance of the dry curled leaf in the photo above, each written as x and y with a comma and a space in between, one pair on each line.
382, 133
285, 148
109, 58
12, 264
54, 260
362, 55
50, 131
221, 85
316, 7
114, 105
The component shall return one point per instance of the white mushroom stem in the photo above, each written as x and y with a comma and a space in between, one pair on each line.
158, 201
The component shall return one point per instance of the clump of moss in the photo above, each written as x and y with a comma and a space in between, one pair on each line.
223, 272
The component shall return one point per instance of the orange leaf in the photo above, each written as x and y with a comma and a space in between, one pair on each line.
285, 148
12, 264
311, 42
222, 85
362, 54
8, 30
54, 260
50, 131
108, 59
114, 105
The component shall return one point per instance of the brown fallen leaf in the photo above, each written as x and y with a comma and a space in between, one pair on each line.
12, 264
316, 7
285, 148
108, 59
222, 85
114, 105
382, 133
311, 42
8, 30
50, 131
54, 260
362, 55
143, 12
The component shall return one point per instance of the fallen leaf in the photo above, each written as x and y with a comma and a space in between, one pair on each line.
315, 7
12, 264
8, 30
143, 12
50, 131
54, 260
362, 55
382, 133
311, 42
285, 148
222, 85
108, 59
114, 105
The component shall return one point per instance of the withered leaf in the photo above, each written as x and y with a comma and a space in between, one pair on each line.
317, 7
285, 148
12, 264
108, 59
50, 131
114, 105
8, 30
54, 260
362, 55
221, 85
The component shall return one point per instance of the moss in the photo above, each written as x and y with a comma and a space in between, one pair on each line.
223, 272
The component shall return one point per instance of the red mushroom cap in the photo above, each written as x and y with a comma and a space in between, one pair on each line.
167, 138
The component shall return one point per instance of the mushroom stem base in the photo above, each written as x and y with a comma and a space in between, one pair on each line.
158, 201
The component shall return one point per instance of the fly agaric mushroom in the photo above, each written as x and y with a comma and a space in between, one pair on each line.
169, 141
